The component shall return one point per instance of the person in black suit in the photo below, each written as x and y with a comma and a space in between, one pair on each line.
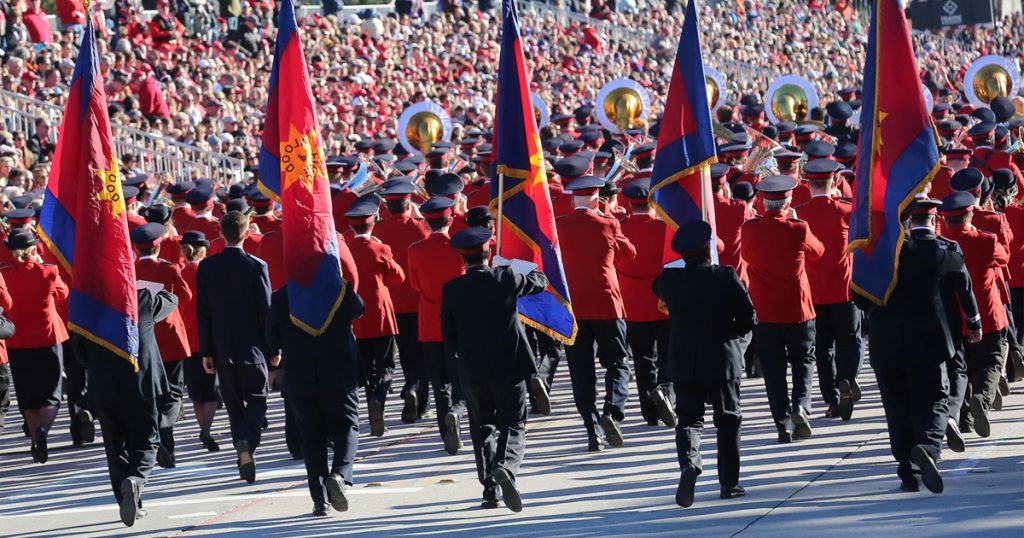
321, 384
710, 313
480, 322
125, 401
910, 344
232, 300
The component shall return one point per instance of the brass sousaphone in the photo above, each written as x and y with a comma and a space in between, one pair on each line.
541, 112
790, 98
622, 105
421, 126
990, 77
714, 82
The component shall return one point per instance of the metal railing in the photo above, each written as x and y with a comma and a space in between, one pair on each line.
156, 153
734, 69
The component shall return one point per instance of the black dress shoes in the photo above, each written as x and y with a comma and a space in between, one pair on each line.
410, 411
452, 435
929, 472
376, 413
845, 399
540, 396
131, 493
321, 510
595, 443
336, 492
612, 430
246, 463
208, 443
164, 458
732, 492
687, 484
509, 492
490, 499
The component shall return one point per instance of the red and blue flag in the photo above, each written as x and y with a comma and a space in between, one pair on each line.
83, 220
898, 152
681, 182
528, 221
292, 170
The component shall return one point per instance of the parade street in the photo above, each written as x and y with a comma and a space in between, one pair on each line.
842, 480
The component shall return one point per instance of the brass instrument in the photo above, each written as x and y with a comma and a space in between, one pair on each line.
622, 105
422, 125
622, 166
990, 77
714, 83
761, 159
541, 112
790, 98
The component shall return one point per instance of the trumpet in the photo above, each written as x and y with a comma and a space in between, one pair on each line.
761, 159
622, 166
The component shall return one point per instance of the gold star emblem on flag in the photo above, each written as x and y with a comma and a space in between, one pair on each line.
110, 188
301, 159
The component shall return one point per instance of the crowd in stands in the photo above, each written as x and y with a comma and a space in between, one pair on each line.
198, 72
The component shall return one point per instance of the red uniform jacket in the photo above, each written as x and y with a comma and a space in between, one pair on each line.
940, 184
996, 223
480, 196
398, 232
208, 225
267, 223
5, 303
183, 215
134, 220
775, 249
171, 335
561, 201
801, 194
829, 275
271, 250
341, 202
590, 245
636, 275
985, 258
1015, 219
251, 245
187, 309
35, 289
729, 217
170, 250
377, 270
432, 263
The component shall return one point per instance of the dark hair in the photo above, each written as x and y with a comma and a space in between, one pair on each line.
920, 220
439, 222
725, 114
397, 207
361, 227
701, 257
234, 226
957, 220
475, 259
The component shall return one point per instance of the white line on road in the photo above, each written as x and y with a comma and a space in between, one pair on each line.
193, 514
184, 502
988, 446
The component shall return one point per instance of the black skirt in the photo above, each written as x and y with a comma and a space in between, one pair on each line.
202, 387
37, 376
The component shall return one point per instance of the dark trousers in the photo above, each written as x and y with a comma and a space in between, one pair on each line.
322, 416
984, 366
244, 388
725, 404
1017, 307
410, 355
609, 337
547, 353
377, 367
169, 404
838, 348
914, 399
444, 378
956, 374
75, 387
779, 345
648, 344
130, 439
5, 392
497, 426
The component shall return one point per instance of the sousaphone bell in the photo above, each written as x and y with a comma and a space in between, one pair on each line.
714, 83
790, 98
990, 77
622, 105
541, 112
421, 126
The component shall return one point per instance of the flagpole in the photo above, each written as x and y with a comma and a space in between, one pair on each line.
501, 208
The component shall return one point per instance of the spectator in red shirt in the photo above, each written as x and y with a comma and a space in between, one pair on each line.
151, 98
71, 14
36, 22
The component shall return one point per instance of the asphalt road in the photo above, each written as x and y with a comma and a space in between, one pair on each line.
840, 483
